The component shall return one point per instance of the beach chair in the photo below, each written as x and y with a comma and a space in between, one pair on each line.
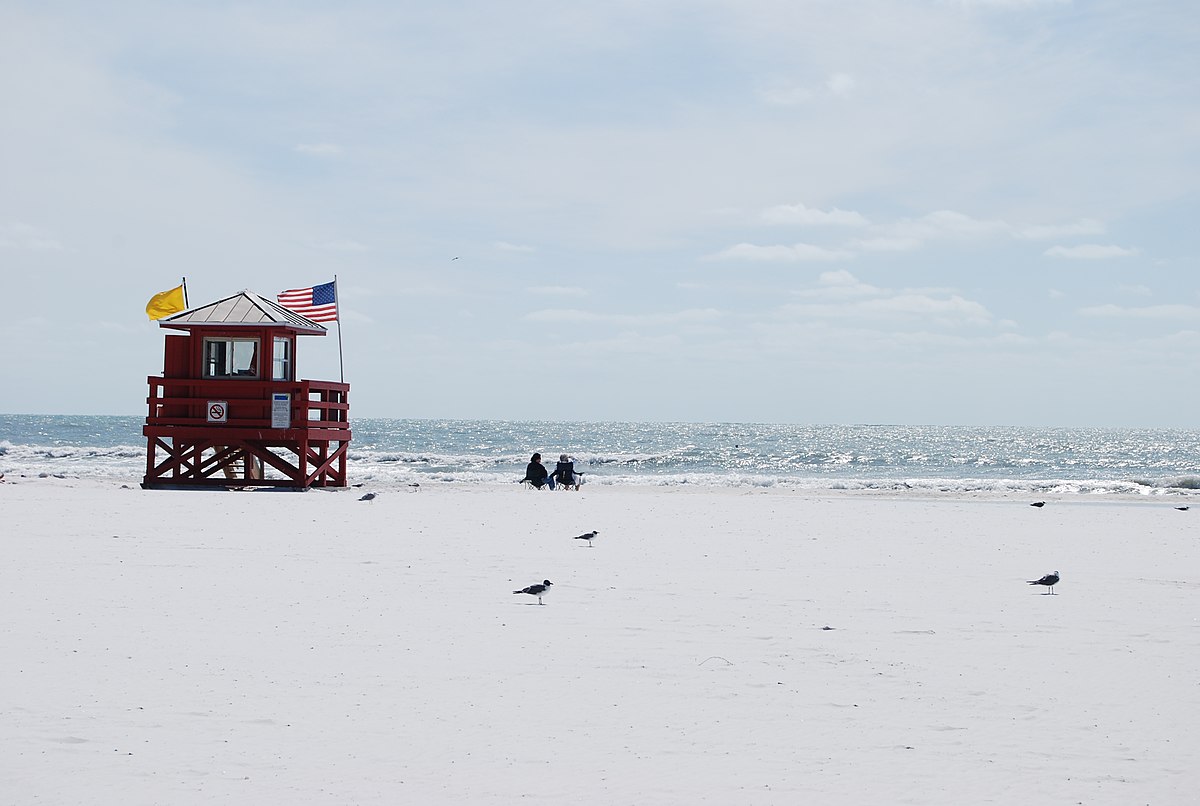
566, 477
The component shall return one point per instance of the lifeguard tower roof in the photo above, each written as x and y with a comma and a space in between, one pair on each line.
243, 308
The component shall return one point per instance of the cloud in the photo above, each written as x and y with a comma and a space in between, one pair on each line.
922, 305
953, 311
840, 84
895, 244
343, 246
1006, 4
842, 297
668, 346
558, 291
907, 233
17, 235
318, 149
1084, 226
809, 216
783, 93
949, 224
1136, 290
1090, 251
786, 95
801, 252
505, 246
575, 316
1145, 312
839, 284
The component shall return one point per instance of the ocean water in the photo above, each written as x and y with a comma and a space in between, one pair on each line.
386, 452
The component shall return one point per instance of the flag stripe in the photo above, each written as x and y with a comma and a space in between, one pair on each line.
318, 302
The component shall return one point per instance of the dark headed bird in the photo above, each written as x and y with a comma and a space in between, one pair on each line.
588, 536
537, 590
1038, 504
1181, 509
1049, 580
368, 497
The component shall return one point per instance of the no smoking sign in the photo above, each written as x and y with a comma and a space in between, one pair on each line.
218, 411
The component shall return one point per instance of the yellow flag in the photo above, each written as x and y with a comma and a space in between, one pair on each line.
166, 303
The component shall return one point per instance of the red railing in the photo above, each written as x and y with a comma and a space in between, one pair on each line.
191, 402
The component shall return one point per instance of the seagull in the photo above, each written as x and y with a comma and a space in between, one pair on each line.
537, 590
1049, 580
1038, 504
368, 497
1181, 509
588, 536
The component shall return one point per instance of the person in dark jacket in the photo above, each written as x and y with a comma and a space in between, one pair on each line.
536, 473
564, 472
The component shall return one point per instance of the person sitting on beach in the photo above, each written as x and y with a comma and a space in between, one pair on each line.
564, 472
536, 473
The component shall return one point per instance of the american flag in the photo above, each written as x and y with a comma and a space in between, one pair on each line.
318, 303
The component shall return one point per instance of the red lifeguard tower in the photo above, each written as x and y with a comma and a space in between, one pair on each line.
228, 412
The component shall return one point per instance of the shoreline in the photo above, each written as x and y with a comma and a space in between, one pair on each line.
1172, 497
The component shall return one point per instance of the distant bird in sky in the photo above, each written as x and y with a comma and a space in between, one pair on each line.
1038, 504
537, 590
1049, 580
588, 536
368, 497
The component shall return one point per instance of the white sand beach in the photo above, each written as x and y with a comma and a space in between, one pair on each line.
263, 647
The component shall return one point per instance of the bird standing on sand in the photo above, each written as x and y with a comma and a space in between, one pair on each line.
588, 536
537, 590
368, 497
1038, 504
1049, 580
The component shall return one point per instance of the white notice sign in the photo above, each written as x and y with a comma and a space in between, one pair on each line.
281, 410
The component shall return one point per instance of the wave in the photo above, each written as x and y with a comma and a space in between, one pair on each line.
382, 478
1175, 482
903, 460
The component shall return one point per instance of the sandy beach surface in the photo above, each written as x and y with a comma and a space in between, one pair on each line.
262, 647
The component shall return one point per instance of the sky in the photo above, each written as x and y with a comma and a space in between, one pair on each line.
976, 212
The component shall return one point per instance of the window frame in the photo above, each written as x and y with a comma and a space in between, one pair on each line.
231, 353
288, 361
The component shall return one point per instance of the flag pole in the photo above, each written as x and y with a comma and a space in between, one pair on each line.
185, 302
337, 301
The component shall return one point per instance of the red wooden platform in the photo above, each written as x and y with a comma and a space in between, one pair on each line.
185, 449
